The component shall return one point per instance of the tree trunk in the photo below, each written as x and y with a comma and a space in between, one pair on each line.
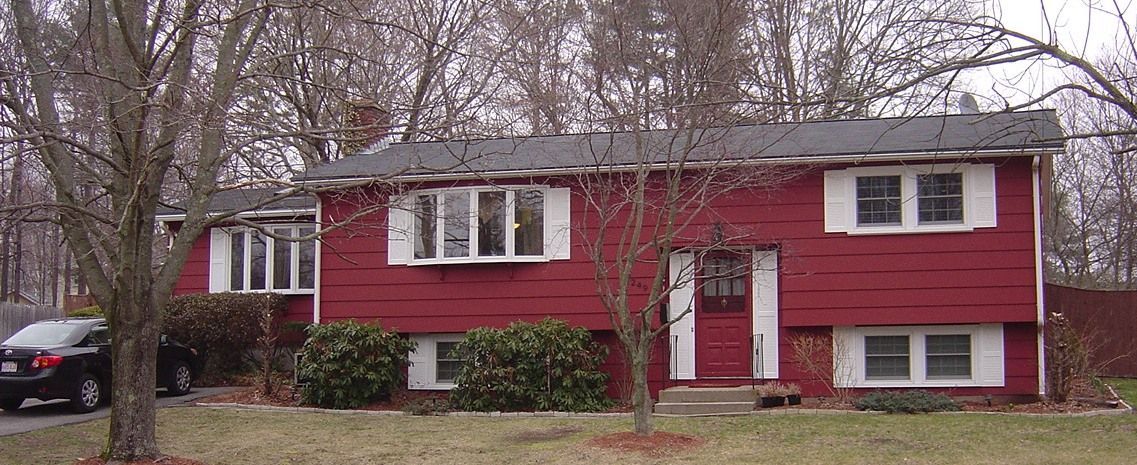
642, 404
135, 335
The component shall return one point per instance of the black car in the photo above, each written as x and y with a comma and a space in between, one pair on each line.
70, 358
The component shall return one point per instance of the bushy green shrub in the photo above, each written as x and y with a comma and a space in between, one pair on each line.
223, 327
348, 365
543, 366
917, 401
92, 311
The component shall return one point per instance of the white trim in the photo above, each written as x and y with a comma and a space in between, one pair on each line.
225, 279
804, 159
249, 214
764, 287
681, 271
555, 223
316, 295
1036, 196
422, 373
840, 201
987, 355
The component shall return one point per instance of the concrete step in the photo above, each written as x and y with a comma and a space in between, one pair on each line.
685, 394
703, 408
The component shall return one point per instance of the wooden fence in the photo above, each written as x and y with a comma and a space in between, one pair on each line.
1107, 318
14, 317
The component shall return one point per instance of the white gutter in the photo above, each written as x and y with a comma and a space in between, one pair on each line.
1036, 189
248, 214
855, 159
319, 245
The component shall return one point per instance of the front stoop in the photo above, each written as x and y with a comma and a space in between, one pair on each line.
685, 400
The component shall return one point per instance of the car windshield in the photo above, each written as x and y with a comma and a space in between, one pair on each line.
44, 333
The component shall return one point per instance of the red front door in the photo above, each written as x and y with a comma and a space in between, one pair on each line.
722, 317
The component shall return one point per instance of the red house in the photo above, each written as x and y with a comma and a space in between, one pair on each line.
914, 243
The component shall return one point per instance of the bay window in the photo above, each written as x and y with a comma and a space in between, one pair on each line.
478, 224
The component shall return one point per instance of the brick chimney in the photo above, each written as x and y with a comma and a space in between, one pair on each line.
366, 125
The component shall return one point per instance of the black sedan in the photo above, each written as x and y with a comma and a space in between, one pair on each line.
70, 358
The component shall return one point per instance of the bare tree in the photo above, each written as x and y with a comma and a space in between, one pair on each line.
157, 79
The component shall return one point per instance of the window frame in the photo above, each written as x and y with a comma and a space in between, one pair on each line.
269, 259
423, 372
473, 238
855, 337
843, 194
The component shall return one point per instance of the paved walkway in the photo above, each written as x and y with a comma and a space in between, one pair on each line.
35, 414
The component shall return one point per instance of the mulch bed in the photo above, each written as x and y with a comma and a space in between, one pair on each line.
657, 445
162, 461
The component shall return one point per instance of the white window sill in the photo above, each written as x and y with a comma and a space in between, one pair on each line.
433, 387
277, 291
459, 261
939, 383
925, 229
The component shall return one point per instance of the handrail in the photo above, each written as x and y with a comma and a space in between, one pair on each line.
757, 361
674, 358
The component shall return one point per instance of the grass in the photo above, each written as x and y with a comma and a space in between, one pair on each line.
233, 437
1125, 387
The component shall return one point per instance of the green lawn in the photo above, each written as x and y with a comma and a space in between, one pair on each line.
232, 437
1125, 387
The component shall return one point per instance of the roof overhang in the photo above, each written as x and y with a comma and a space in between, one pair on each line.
257, 214
816, 160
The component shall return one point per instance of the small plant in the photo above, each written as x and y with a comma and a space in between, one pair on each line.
348, 364
825, 359
92, 311
918, 401
1067, 357
771, 395
427, 406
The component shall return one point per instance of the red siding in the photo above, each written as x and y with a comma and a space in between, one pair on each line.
195, 280
825, 279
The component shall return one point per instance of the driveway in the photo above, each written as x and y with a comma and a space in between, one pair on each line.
34, 414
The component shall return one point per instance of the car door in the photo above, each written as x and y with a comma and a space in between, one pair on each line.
99, 339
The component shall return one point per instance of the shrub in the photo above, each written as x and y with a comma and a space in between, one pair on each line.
92, 311
427, 406
542, 366
918, 401
223, 327
347, 364
1067, 356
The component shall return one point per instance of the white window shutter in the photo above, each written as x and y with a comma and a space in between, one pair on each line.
837, 202
682, 332
991, 355
981, 178
399, 224
218, 260
765, 285
419, 372
558, 203
846, 354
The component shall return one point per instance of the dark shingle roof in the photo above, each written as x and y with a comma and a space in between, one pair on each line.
1029, 130
244, 199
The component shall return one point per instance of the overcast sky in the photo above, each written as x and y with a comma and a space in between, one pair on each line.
1083, 27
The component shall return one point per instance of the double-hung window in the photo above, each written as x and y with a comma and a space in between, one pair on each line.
910, 199
259, 262
482, 224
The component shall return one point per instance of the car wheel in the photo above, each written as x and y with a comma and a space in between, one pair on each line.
87, 394
11, 404
179, 379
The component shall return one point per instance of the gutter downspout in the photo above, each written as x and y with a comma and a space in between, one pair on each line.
1036, 188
